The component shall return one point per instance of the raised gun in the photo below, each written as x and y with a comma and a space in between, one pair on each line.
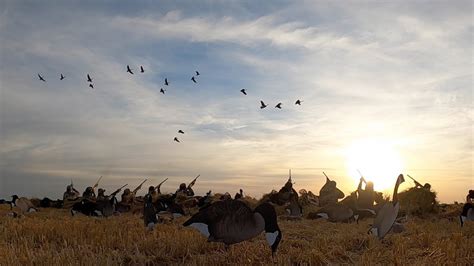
326, 176
159, 186
118, 190
97, 183
193, 182
139, 186
416, 182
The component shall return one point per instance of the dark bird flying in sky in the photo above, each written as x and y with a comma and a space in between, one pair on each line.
91, 85
176, 139
62, 77
194, 80
162, 91
197, 73
41, 78
243, 91
89, 79
129, 70
141, 69
166, 82
278, 106
180, 131
262, 105
298, 102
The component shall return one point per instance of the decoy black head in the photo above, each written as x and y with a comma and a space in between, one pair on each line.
14, 197
272, 231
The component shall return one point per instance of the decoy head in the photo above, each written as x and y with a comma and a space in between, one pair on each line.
400, 179
14, 198
272, 231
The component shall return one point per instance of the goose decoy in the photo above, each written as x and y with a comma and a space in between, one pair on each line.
262, 105
129, 70
278, 106
387, 215
176, 139
197, 73
23, 204
298, 102
91, 86
142, 70
233, 221
243, 91
180, 131
89, 79
193, 79
166, 82
41, 78
62, 77
162, 90
336, 213
467, 213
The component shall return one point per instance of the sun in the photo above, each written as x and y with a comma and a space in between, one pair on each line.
377, 160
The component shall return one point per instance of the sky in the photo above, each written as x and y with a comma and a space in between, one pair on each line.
387, 88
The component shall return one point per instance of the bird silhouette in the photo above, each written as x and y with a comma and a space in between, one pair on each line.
243, 91
194, 80
298, 102
41, 78
180, 131
176, 139
89, 79
262, 105
197, 73
166, 82
129, 70
62, 77
141, 69
91, 85
278, 106
162, 91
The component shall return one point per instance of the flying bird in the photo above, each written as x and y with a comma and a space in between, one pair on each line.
62, 77
141, 69
298, 102
91, 85
194, 80
129, 70
197, 73
166, 82
180, 131
278, 106
243, 91
162, 91
262, 105
233, 221
41, 78
89, 79
176, 139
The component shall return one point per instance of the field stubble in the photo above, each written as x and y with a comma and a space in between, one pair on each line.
53, 237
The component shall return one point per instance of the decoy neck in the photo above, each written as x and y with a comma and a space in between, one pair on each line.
272, 231
400, 180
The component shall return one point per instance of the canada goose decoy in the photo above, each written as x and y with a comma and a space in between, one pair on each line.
243, 91
262, 105
162, 90
129, 70
89, 79
197, 73
62, 77
232, 221
336, 213
41, 78
91, 86
180, 131
166, 82
142, 70
176, 139
387, 215
298, 102
23, 204
467, 214
193, 79
278, 106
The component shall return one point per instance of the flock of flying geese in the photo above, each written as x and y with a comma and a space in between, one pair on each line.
166, 83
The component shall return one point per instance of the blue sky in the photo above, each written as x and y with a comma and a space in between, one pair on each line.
398, 72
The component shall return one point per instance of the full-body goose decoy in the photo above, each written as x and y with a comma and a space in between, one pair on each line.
387, 215
23, 204
232, 221
467, 213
